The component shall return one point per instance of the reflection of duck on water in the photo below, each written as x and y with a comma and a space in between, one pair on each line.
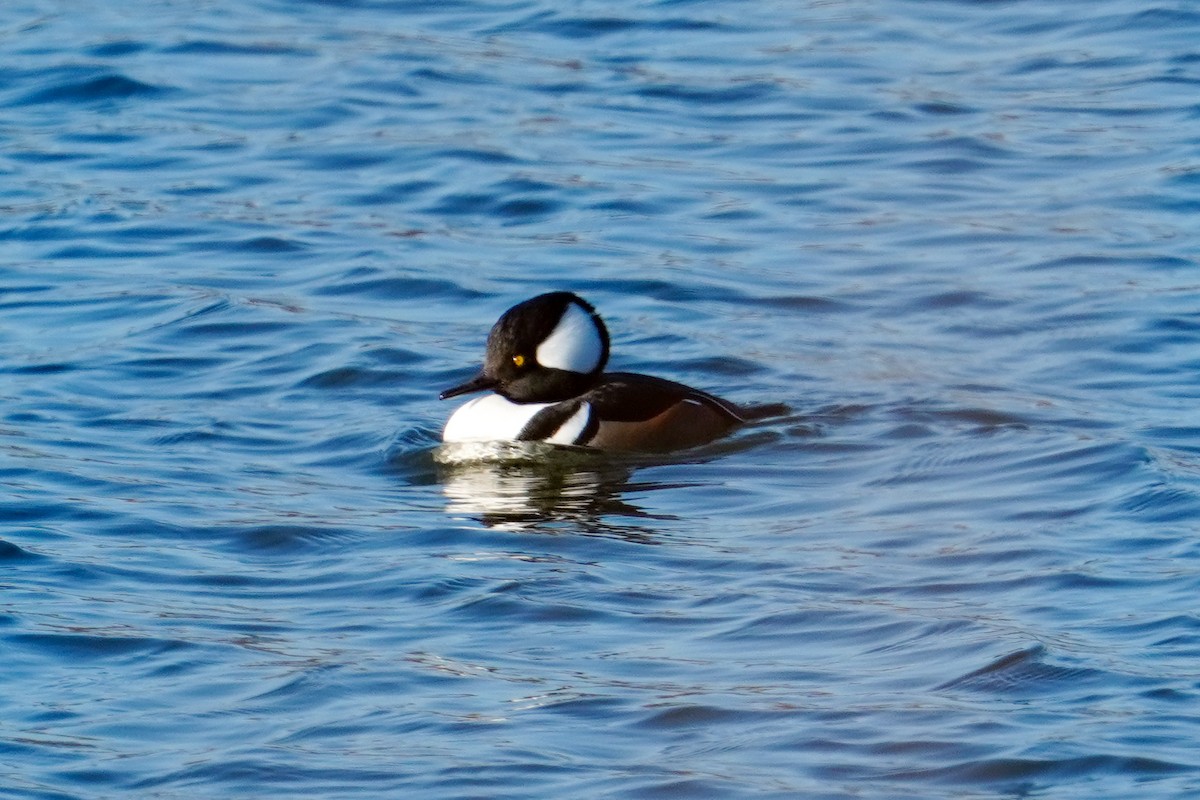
521, 485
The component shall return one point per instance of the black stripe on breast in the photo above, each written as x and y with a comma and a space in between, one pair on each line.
546, 423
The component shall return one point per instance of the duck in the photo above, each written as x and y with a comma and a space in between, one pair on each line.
543, 374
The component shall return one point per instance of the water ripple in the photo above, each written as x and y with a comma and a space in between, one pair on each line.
91, 86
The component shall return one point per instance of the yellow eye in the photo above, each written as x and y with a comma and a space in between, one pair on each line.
519, 360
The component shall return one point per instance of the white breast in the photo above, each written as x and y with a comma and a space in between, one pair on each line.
489, 418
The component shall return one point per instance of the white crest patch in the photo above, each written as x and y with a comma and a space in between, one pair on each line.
570, 430
574, 344
490, 418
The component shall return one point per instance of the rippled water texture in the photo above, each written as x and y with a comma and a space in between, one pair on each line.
245, 245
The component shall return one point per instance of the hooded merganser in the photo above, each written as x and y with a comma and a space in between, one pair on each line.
545, 366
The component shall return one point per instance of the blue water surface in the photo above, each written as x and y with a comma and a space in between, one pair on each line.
245, 245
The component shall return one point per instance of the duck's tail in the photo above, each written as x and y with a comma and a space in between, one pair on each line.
763, 411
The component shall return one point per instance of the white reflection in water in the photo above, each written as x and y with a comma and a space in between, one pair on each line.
520, 485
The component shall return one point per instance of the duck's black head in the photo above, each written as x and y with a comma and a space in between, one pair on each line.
549, 348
